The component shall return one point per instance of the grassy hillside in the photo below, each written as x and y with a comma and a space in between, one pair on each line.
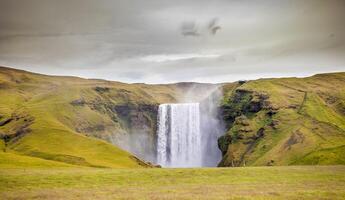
292, 182
60, 118
72, 121
285, 121
76, 121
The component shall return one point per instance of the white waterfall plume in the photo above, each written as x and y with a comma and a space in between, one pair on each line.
179, 136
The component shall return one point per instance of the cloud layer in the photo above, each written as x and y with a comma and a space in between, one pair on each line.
168, 41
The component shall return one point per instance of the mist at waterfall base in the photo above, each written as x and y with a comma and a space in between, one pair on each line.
187, 133
140, 143
196, 109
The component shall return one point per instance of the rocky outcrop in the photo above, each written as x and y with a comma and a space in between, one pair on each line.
78, 102
244, 102
137, 117
132, 126
242, 133
15, 126
139, 121
295, 138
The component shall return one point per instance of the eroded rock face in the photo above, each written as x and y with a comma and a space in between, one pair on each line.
244, 102
15, 126
133, 126
223, 143
140, 122
242, 133
295, 138
78, 102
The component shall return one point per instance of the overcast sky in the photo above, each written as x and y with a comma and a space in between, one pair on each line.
158, 41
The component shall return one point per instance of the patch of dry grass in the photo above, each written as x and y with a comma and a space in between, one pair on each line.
294, 182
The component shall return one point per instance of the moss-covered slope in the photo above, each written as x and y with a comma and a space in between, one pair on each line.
69, 121
285, 121
63, 118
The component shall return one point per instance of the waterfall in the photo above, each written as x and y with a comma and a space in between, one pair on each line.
179, 135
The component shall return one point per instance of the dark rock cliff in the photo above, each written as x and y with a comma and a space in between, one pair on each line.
132, 126
242, 134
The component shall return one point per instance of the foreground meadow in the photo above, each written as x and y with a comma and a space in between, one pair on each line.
293, 182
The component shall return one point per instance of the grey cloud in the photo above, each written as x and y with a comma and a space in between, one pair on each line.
189, 29
108, 38
192, 28
213, 26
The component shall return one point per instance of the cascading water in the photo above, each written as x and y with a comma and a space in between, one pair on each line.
179, 136
187, 133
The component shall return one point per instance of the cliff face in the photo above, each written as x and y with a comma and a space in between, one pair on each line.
131, 126
63, 118
285, 121
39, 114
132, 112
243, 130
268, 121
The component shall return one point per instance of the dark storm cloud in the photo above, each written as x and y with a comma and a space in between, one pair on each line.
154, 41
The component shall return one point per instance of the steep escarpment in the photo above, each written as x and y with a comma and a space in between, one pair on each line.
77, 121
131, 121
131, 112
284, 121
83, 121
237, 111
70, 121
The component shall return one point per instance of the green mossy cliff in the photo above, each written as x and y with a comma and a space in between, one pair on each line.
285, 121
70, 121
74, 120
81, 122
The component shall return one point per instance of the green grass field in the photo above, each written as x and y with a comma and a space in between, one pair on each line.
56, 140
289, 182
